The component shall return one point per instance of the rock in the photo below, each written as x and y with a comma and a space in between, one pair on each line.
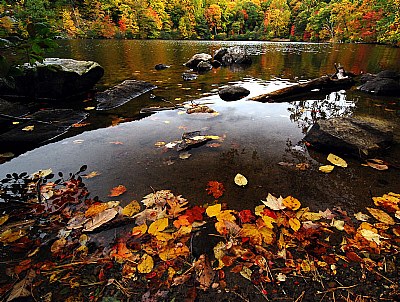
386, 82
349, 135
122, 93
233, 93
232, 55
216, 64
189, 76
203, 66
196, 59
161, 66
47, 124
381, 86
54, 79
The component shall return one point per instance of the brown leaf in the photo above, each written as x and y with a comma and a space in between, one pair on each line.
215, 188
381, 216
100, 219
117, 191
22, 288
377, 164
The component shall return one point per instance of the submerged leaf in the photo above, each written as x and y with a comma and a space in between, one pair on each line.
336, 160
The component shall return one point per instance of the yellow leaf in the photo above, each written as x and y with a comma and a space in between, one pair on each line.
212, 136
89, 108
131, 209
268, 235
291, 203
213, 210
164, 237
240, 180
371, 236
219, 253
226, 215
3, 219
268, 221
326, 169
146, 264
28, 128
58, 245
311, 216
294, 224
251, 231
259, 209
338, 224
172, 253
305, 266
158, 226
139, 230
9, 236
336, 160
381, 216
246, 273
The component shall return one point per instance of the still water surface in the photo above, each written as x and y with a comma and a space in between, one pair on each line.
255, 136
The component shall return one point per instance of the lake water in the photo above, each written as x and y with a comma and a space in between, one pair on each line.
255, 137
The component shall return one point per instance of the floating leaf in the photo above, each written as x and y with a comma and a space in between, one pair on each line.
91, 175
326, 169
28, 128
173, 253
213, 210
41, 173
274, 203
240, 180
131, 209
338, 224
146, 264
117, 191
7, 155
381, 216
377, 164
291, 203
89, 108
215, 188
158, 226
336, 160
80, 125
294, 224
100, 219
95, 209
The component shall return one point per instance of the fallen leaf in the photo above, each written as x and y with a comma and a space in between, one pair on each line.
4, 219
146, 264
294, 224
377, 164
274, 203
176, 207
91, 175
160, 144
95, 209
58, 245
41, 173
7, 155
131, 209
214, 210
79, 125
361, 217
117, 191
173, 253
302, 166
281, 277
28, 128
240, 180
78, 141
336, 160
246, 216
246, 273
338, 224
100, 219
371, 236
117, 143
158, 226
89, 108
184, 155
139, 230
326, 169
215, 188
22, 289
9, 236
291, 203
381, 216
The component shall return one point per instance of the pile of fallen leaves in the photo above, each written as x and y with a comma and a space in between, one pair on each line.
58, 243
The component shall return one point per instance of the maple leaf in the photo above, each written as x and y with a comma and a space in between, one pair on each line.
117, 191
246, 216
274, 203
120, 252
215, 188
181, 221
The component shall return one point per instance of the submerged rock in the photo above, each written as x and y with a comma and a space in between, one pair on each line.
233, 93
53, 79
161, 66
38, 128
122, 93
203, 66
386, 82
349, 135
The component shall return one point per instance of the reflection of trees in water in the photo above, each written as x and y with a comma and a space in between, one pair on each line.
306, 112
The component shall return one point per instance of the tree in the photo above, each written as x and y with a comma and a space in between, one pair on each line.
277, 18
213, 16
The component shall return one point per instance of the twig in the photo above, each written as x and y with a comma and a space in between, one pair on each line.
240, 296
76, 263
300, 298
336, 288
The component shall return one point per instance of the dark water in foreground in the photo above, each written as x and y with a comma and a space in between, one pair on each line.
255, 136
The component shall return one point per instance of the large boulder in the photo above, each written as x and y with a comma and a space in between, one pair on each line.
53, 79
196, 59
384, 83
233, 93
349, 136
204, 66
122, 93
232, 55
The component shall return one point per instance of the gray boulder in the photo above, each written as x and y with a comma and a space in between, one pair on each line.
349, 136
53, 79
232, 55
204, 66
233, 93
196, 59
384, 83
122, 93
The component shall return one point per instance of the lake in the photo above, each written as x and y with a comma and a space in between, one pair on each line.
262, 141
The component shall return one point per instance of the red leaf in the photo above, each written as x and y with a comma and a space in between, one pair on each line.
269, 213
117, 191
215, 189
195, 214
246, 216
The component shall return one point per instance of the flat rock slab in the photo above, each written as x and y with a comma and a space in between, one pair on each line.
13, 109
233, 93
350, 136
55, 78
47, 124
122, 93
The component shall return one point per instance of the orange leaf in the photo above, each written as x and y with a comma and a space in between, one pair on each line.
291, 203
95, 209
117, 191
215, 188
